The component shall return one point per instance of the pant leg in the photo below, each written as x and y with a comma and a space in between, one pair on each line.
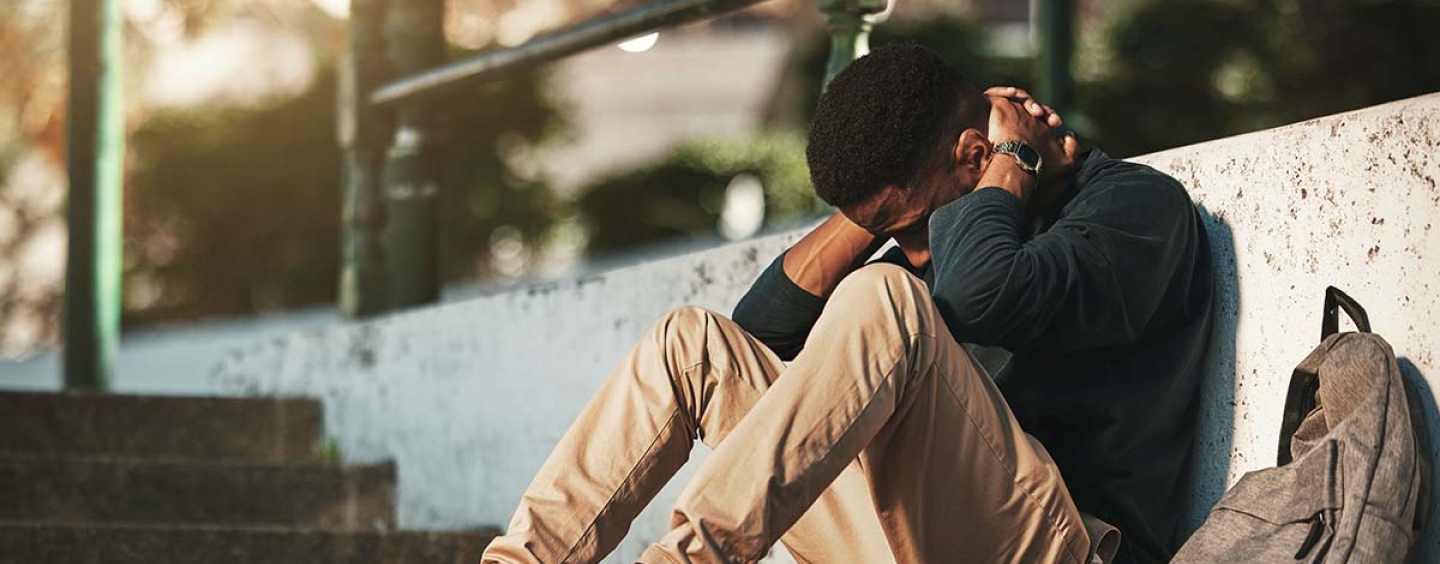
695, 373
953, 476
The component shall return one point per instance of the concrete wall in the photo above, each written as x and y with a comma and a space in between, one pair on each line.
469, 397
169, 360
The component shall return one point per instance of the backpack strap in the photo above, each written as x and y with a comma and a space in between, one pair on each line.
1305, 381
1330, 323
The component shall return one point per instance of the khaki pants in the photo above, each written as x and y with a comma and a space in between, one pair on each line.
884, 441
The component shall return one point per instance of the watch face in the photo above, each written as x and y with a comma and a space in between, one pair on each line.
1029, 155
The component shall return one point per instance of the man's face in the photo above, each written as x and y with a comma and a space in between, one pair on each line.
903, 213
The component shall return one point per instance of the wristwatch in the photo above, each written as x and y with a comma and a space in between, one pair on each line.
1023, 153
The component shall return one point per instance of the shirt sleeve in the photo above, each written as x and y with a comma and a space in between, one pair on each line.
778, 312
1096, 278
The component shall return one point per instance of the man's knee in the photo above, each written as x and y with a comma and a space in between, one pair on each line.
683, 329
883, 281
884, 294
686, 318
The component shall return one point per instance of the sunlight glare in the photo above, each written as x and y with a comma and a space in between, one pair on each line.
338, 9
640, 44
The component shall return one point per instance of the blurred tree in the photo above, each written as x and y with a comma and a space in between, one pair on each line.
1153, 74
1155, 82
236, 210
683, 193
33, 233
1158, 74
32, 208
958, 40
496, 185
233, 210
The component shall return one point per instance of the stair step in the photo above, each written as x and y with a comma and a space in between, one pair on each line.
72, 423
104, 490
27, 543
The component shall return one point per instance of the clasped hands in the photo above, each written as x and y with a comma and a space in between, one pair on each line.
1016, 116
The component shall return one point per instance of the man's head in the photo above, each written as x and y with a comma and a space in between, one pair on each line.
897, 134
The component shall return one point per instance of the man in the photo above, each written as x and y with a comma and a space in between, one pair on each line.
884, 440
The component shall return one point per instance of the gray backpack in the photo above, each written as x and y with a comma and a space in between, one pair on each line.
1352, 481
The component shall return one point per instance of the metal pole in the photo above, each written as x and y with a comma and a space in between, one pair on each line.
415, 40
1054, 21
849, 23
555, 45
364, 134
95, 157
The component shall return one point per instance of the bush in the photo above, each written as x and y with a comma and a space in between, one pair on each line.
1160, 74
234, 210
682, 193
959, 41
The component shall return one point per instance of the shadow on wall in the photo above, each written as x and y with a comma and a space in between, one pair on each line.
1420, 392
1215, 420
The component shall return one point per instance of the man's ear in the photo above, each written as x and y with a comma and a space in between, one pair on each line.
972, 152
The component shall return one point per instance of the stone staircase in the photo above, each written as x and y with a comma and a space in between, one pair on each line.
136, 479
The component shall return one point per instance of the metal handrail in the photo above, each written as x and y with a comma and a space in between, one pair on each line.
556, 45
391, 229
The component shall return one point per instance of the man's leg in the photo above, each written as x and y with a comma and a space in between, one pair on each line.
953, 476
695, 373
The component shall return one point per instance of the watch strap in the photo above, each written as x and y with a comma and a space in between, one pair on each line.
1023, 153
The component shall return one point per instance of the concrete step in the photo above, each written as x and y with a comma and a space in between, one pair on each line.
200, 492
70, 423
26, 543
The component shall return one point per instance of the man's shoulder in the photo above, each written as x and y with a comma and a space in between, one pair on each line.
1130, 185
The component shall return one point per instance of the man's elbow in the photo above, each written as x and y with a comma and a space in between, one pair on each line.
746, 315
755, 321
972, 314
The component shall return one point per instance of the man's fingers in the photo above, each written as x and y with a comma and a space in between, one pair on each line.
1022, 97
1036, 108
1014, 93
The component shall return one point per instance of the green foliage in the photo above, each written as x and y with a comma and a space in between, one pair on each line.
236, 210
492, 182
959, 41
233, 210
1155, 74
328, 451
683, 192
1167, 73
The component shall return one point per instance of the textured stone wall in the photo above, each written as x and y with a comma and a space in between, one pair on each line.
469, 398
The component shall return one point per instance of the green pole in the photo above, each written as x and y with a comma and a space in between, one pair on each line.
94, 161
364, 134
1055, 33
849, 23
415, 41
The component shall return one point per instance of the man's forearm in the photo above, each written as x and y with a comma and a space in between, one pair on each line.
1004, 173
829, 252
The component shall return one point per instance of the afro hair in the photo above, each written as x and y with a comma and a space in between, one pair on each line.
881, 119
